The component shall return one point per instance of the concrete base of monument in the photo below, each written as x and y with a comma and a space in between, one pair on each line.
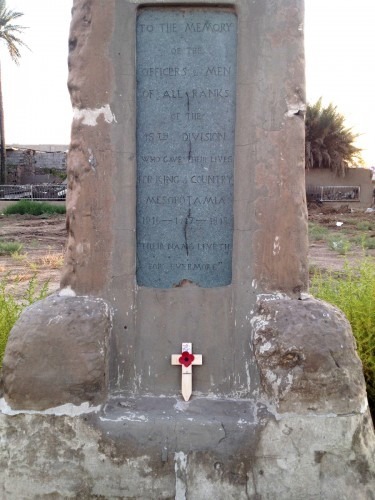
305, 434
150, 447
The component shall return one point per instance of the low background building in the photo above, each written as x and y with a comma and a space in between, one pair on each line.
356, 188
36, 164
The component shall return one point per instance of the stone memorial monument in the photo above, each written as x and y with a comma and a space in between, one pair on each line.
187, 227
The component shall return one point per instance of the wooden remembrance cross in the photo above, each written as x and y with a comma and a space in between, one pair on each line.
186, 360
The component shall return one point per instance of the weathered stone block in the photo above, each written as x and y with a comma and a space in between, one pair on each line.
57, 353
306, 355
205, 449
315, 457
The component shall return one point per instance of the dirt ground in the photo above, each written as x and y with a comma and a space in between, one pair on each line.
43, 244
352, 228
44, 241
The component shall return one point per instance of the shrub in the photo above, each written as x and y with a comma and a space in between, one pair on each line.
23, 207
11, 308
354, 293
317, 232
339, 243
366, 242
369, 243
364, 225
10, 247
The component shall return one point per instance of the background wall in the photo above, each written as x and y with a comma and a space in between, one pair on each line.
28, 165
354, 177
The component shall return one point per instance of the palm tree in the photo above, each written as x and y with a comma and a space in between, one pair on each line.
9, 35
329, 143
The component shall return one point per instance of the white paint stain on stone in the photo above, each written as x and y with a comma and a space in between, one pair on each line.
271, 376
68, 409
248, 380
273, 380
305, 296
259, 322
276, 246
364, 405
295, 109
67, 292
289, 383
92, 159
180, 466
90, 116
130, 417
55, 319
102, 347
266, 297
264, 348
241, 422
181, 405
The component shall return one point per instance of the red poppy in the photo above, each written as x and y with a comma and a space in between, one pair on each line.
186, 359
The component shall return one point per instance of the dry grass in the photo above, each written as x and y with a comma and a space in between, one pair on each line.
19, 257
17, 278
52, 260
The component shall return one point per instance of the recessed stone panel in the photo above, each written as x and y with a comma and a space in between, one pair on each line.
186, 76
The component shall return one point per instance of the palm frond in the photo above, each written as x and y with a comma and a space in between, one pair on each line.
9, 31
329, 143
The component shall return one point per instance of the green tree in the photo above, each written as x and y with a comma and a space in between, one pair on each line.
329, 143
9, 35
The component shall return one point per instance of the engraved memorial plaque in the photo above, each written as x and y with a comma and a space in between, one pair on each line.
186, 86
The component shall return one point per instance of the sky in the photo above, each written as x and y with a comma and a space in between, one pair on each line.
340, 47
339, 42
36, 100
